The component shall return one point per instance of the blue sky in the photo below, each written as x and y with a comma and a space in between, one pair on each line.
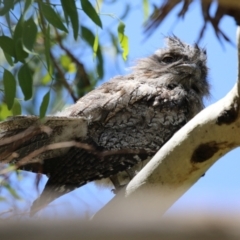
219, 189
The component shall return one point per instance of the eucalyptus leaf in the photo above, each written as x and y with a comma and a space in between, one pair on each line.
52, 17
9, 83
44, 105
91, 12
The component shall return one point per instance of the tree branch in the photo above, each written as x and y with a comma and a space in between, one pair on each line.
181, 161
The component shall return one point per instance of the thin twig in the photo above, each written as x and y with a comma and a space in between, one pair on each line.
80, 66
62, 78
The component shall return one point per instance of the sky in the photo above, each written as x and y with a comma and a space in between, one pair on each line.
219, 189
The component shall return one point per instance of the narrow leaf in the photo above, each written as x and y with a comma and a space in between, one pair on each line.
9, 83
25, 81
70, 10
44, 105
28, 3
67, 64
18, 44
95, 46
4, 112
29, 34
20, 53
52, 17
123, 40
8, 58
145, 4
16, 109
18, 31
100, 69
9, 22
91, 12
7, 45
89, 37
47, 47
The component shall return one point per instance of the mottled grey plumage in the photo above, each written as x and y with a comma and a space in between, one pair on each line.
123, 122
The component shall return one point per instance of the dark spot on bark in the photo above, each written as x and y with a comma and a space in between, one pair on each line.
205, 151
228, 115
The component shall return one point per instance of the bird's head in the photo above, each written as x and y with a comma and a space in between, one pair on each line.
178, 63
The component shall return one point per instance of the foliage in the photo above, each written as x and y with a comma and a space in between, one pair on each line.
41, 42
51, 55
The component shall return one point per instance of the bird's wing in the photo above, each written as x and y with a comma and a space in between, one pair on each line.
27, 141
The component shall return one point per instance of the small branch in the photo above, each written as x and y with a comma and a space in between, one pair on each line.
80, 67
62, 78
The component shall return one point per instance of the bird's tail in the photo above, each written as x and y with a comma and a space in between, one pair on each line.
49, 194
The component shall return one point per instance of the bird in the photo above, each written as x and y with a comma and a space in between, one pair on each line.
110, 132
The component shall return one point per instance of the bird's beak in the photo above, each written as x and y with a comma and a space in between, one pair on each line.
189, 69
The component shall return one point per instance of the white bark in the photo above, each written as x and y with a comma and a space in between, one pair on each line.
181, 161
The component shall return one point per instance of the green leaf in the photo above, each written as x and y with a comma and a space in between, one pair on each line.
46, 79
9, 83
145, 4
91, 12
9, 22
20, 53
95, 46
123, 40
44, 105
8, 58
67, 63
70, 10
7, 45
4, 112
100, 69
89, 37
8, 4
28, 3
18, 44
16, 109
52, 17
25, 81
47, 47
29, 34
18, 31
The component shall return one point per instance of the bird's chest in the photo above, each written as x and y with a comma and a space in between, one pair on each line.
139, 126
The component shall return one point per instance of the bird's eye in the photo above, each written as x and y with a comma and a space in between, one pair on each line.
168, 59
